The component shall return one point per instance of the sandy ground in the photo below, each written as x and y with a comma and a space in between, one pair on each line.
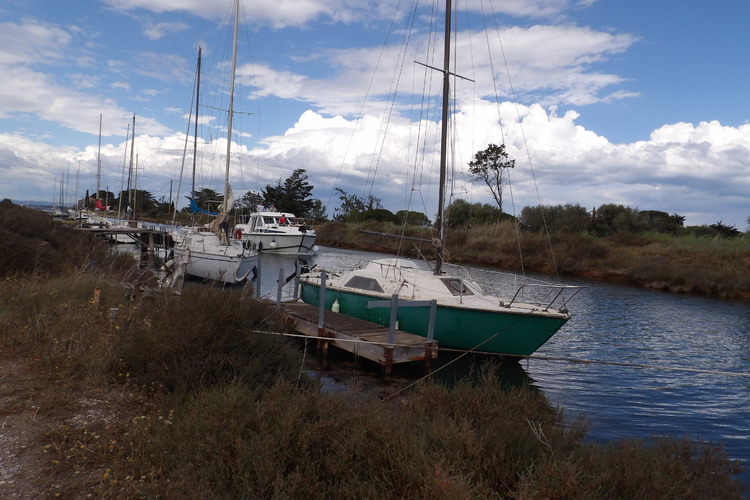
31, 406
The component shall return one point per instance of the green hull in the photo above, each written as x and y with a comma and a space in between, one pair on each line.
456, 328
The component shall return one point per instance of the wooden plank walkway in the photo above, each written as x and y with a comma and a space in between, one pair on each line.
148, 237
360, 337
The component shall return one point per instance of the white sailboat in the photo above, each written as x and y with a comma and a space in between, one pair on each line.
466, 317
209, 252
269, 231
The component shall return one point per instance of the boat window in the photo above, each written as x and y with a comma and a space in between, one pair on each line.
269, 220
456, 286
363, 283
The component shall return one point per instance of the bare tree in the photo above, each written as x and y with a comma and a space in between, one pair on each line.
489, 165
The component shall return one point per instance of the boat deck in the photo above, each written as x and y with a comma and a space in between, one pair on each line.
360, 337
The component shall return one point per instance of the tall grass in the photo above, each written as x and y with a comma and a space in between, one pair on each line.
207, 408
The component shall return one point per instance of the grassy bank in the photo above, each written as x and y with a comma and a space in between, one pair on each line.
185, 397
685, 264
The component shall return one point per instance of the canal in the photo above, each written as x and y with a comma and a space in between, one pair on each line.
682, 354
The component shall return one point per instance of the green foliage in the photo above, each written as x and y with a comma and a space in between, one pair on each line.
352, 206
489, 166
374, 214
31, 242
725, 231
662, 222
293, 195
412, 218
463, 214
318, 212
174, 351
250, 201
559, 218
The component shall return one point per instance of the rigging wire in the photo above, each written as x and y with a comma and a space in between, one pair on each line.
525, 143
360, 114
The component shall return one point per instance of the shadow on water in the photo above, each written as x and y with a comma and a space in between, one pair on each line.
341, 371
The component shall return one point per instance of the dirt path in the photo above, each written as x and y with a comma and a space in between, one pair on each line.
31, 406
22, 459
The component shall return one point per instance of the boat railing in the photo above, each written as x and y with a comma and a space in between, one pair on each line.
545, 297
512, 288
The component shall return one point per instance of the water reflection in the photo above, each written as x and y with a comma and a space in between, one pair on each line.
619, 324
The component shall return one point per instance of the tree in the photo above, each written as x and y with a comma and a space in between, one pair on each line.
294, 195
318, 212
567, 218
489, 166
352, 206
725, 231
463, 214
250, 201
413, 218
207, 199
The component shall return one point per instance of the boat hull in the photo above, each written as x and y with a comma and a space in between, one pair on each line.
513, 334
200, 258
281, 243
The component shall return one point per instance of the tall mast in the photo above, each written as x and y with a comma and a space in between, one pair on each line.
231, 103
197, 99
122, 177
131, 200
99, 158
444, 140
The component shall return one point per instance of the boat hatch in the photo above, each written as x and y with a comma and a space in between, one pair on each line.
456, 286
363, 283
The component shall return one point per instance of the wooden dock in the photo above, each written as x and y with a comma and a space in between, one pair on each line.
149, 238
360, 337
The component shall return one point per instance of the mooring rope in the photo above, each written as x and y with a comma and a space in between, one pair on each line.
531, 356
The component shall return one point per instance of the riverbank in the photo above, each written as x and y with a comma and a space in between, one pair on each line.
705, 266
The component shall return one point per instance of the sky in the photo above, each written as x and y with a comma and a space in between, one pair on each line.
599, 101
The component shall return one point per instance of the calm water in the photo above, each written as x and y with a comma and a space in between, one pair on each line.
618, 324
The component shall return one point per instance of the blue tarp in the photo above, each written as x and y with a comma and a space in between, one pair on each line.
195, 209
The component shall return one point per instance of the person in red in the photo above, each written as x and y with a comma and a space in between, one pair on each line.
282, 219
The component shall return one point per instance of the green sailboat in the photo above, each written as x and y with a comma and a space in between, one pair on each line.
466, 317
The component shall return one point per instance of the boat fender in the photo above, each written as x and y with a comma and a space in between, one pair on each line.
238, 234
336, 307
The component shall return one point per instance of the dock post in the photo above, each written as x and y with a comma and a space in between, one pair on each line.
394, 318
388, 367
428, 352
322, 300
322, 344
280, 287
431, 324
258, 274
151, 244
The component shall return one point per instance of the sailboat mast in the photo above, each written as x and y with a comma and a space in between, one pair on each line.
444, 140
197, 102
99, 159
131, 195
231, 103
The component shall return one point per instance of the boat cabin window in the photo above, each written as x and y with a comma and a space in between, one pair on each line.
456, 286
363, 283
269, 220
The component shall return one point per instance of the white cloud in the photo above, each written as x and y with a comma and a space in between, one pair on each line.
155, 31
